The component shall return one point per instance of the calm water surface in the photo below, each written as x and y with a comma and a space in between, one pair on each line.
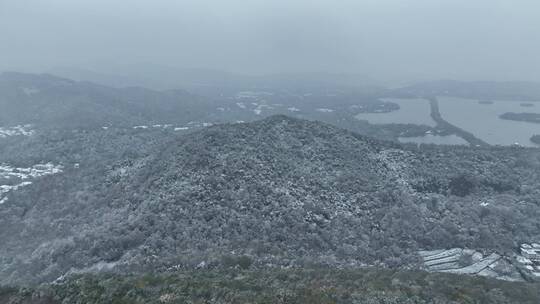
483, 120
412, 111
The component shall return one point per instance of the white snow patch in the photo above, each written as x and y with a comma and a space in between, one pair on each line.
258, 110
523, 260
20, 130
21, 176
101, 266
35, 171
252, 94
324, 110
293, 109
190, 125
30, 91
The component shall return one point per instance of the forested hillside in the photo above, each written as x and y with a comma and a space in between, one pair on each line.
277, 192
309, 286
46, 101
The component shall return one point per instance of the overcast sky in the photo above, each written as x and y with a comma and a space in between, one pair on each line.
385, 39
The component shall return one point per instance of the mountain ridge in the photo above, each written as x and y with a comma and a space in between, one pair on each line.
49, 101
280, 192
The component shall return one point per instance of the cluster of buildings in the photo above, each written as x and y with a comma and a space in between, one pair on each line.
530, 258
472, 262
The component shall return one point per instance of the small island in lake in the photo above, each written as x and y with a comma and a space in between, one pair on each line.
528, 117
527, 105
485, 102
536, 139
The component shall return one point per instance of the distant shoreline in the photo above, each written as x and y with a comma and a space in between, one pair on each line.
526, 117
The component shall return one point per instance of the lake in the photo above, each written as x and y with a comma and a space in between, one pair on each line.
483, 120
412, 111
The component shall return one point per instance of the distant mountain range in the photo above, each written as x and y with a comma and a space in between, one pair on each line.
204, 81
210, 82
481, 90
44, 101
51, 102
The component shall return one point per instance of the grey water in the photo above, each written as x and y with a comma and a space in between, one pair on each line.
482, 120
412, 111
